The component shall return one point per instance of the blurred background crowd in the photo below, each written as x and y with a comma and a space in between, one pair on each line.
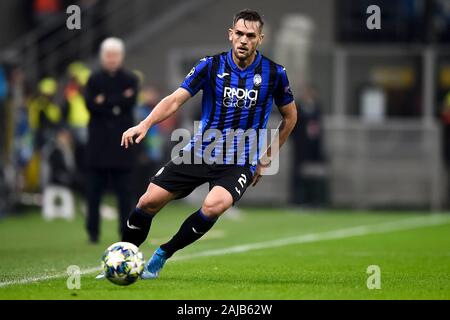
374, 105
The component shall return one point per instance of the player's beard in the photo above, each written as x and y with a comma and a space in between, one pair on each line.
243, 55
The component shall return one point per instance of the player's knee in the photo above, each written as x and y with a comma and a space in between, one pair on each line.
214, 208
149, 203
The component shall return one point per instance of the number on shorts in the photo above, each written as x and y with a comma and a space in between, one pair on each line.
242, 181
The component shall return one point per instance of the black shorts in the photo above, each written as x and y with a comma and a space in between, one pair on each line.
182, 179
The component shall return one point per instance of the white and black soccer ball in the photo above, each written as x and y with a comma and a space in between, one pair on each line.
122, 263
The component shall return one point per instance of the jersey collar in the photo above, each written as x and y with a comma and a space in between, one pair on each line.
249, 68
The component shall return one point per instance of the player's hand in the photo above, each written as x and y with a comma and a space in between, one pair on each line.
99, 99
257, 175
138, 132
128, 93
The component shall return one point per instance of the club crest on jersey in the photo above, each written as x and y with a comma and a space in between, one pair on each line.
257, 80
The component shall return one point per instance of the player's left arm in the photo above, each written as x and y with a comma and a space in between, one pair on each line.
289, 115
289, 119
284, 99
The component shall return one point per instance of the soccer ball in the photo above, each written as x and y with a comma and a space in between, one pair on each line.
122, 263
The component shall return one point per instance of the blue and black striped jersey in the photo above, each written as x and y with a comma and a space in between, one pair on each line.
235, 100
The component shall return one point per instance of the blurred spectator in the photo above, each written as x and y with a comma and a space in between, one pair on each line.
43, 10
151, 149
95, 19
3, 191
76, 116
75, 112
48, 16
308, 169
43, 113
3, 96
441, 21
111, 97
445, 118
152, 143
58, 172
20, 142
3, 85
23, 135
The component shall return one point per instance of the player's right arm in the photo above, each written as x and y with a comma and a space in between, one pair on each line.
193, 83
163, 110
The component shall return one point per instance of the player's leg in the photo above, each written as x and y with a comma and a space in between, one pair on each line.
193, 228
226, 189
200, 222
181, 179
139, 222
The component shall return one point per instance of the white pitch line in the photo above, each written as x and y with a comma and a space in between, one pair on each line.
386, 227
398, 225
45, 277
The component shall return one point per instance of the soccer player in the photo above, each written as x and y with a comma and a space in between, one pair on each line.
239, 87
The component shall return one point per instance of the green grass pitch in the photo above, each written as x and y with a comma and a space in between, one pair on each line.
263, 254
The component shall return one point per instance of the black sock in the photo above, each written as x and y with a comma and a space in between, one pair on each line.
138, 226
192, 229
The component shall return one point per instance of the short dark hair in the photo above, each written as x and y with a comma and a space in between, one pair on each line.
248, 15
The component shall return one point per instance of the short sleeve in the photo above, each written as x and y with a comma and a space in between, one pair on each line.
283, 93
196, 78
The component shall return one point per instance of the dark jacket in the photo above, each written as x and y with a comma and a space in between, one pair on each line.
308, 136
61, 170
110, 119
